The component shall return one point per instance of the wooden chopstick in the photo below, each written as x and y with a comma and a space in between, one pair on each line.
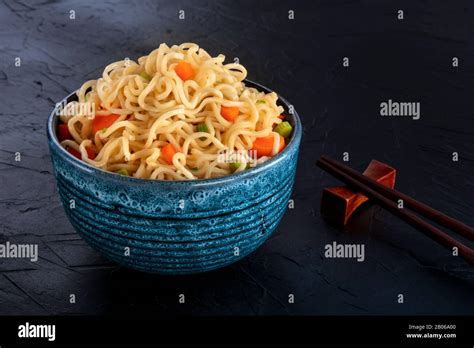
419, 207
339, 171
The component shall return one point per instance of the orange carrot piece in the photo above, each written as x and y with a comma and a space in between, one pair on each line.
184, 70
264, 146
74, 152
63, 132
168, 151
229, 112
101, 122
90, 153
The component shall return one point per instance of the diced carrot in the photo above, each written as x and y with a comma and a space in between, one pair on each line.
168, 151
264, 146
90, 153
101, 122
184, 70
74, 152
63, 132
229, 112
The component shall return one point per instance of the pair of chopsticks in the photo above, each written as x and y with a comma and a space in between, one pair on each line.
388, 199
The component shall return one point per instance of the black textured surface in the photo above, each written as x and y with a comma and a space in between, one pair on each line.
404, 60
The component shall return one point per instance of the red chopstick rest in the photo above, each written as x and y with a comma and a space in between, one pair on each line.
339, 203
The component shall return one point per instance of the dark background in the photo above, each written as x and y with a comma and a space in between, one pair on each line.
402, 60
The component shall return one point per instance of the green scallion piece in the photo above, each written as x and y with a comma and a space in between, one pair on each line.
234, 166
145, 75
122, 171
260, 101
284, 129
201, 127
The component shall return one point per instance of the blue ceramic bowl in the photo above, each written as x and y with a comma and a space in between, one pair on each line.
175, 227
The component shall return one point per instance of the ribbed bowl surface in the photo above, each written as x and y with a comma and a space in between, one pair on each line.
175, 227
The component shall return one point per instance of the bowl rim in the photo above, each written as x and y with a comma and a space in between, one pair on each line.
85, 167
